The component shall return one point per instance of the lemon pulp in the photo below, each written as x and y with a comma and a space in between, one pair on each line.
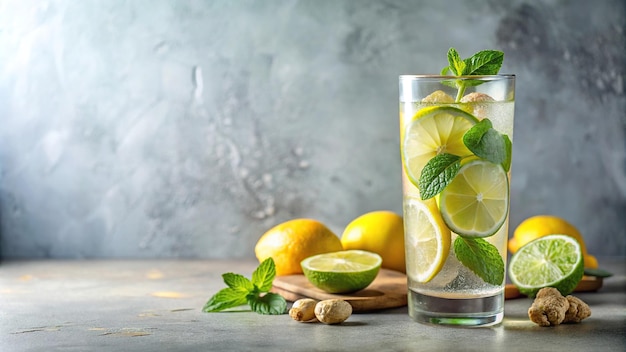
432, 131
427, 239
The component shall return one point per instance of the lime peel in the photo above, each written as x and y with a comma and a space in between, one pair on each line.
550, 261
342, 271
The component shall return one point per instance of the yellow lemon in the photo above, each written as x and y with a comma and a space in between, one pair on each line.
427, 239
543, 225
291, 242
381, 232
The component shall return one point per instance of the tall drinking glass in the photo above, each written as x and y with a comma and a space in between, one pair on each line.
456, 137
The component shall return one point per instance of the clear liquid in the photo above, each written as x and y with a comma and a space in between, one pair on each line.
455, 310
456, 295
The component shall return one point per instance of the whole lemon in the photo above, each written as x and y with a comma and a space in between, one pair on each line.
381, 232
543, 225
292, 241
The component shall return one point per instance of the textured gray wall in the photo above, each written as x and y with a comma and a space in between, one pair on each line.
188, 128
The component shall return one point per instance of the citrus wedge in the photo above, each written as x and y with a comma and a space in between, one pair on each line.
550, 261
476, 202
342, 271
431, 131
427, 239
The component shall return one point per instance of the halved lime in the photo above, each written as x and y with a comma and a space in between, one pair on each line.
549, 261
476, 202
434, 130
342, 271
427, 239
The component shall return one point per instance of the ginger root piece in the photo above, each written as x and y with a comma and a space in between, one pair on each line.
303, 310
548, 308
333, 311
476, 97
438, 96
577, 311
551, 308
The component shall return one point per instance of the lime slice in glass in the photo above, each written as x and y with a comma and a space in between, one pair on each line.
431, 131
550, 261
342, 271
427, 239
476, 202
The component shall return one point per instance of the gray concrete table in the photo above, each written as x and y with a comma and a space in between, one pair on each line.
156, 306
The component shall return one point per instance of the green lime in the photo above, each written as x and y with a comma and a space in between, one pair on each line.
476, 202
549, 261
342, 271
432, 131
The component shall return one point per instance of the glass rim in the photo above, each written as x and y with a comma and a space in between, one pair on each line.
441, 77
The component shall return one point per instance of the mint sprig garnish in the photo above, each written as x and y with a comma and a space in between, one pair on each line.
508, 145
437, 174
487, 143
255, 292
481, 257
484, 62
482, 140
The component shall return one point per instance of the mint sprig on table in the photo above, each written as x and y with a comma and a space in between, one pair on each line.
255, 292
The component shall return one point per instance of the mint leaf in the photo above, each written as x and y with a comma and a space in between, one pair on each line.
437, 174
481, 257
224, 299
457, 66
238, 282
484, 62
597, 272
240, 291
506, 164
485, 142
268, 304
263, 276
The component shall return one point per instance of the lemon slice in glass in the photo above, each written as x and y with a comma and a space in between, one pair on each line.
476, 202
431, 131
427, 239
342, 271
550, 261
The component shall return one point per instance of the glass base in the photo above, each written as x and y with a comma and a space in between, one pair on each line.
481, 311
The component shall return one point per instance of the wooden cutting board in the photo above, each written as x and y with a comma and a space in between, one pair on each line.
586, 284
388, 290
